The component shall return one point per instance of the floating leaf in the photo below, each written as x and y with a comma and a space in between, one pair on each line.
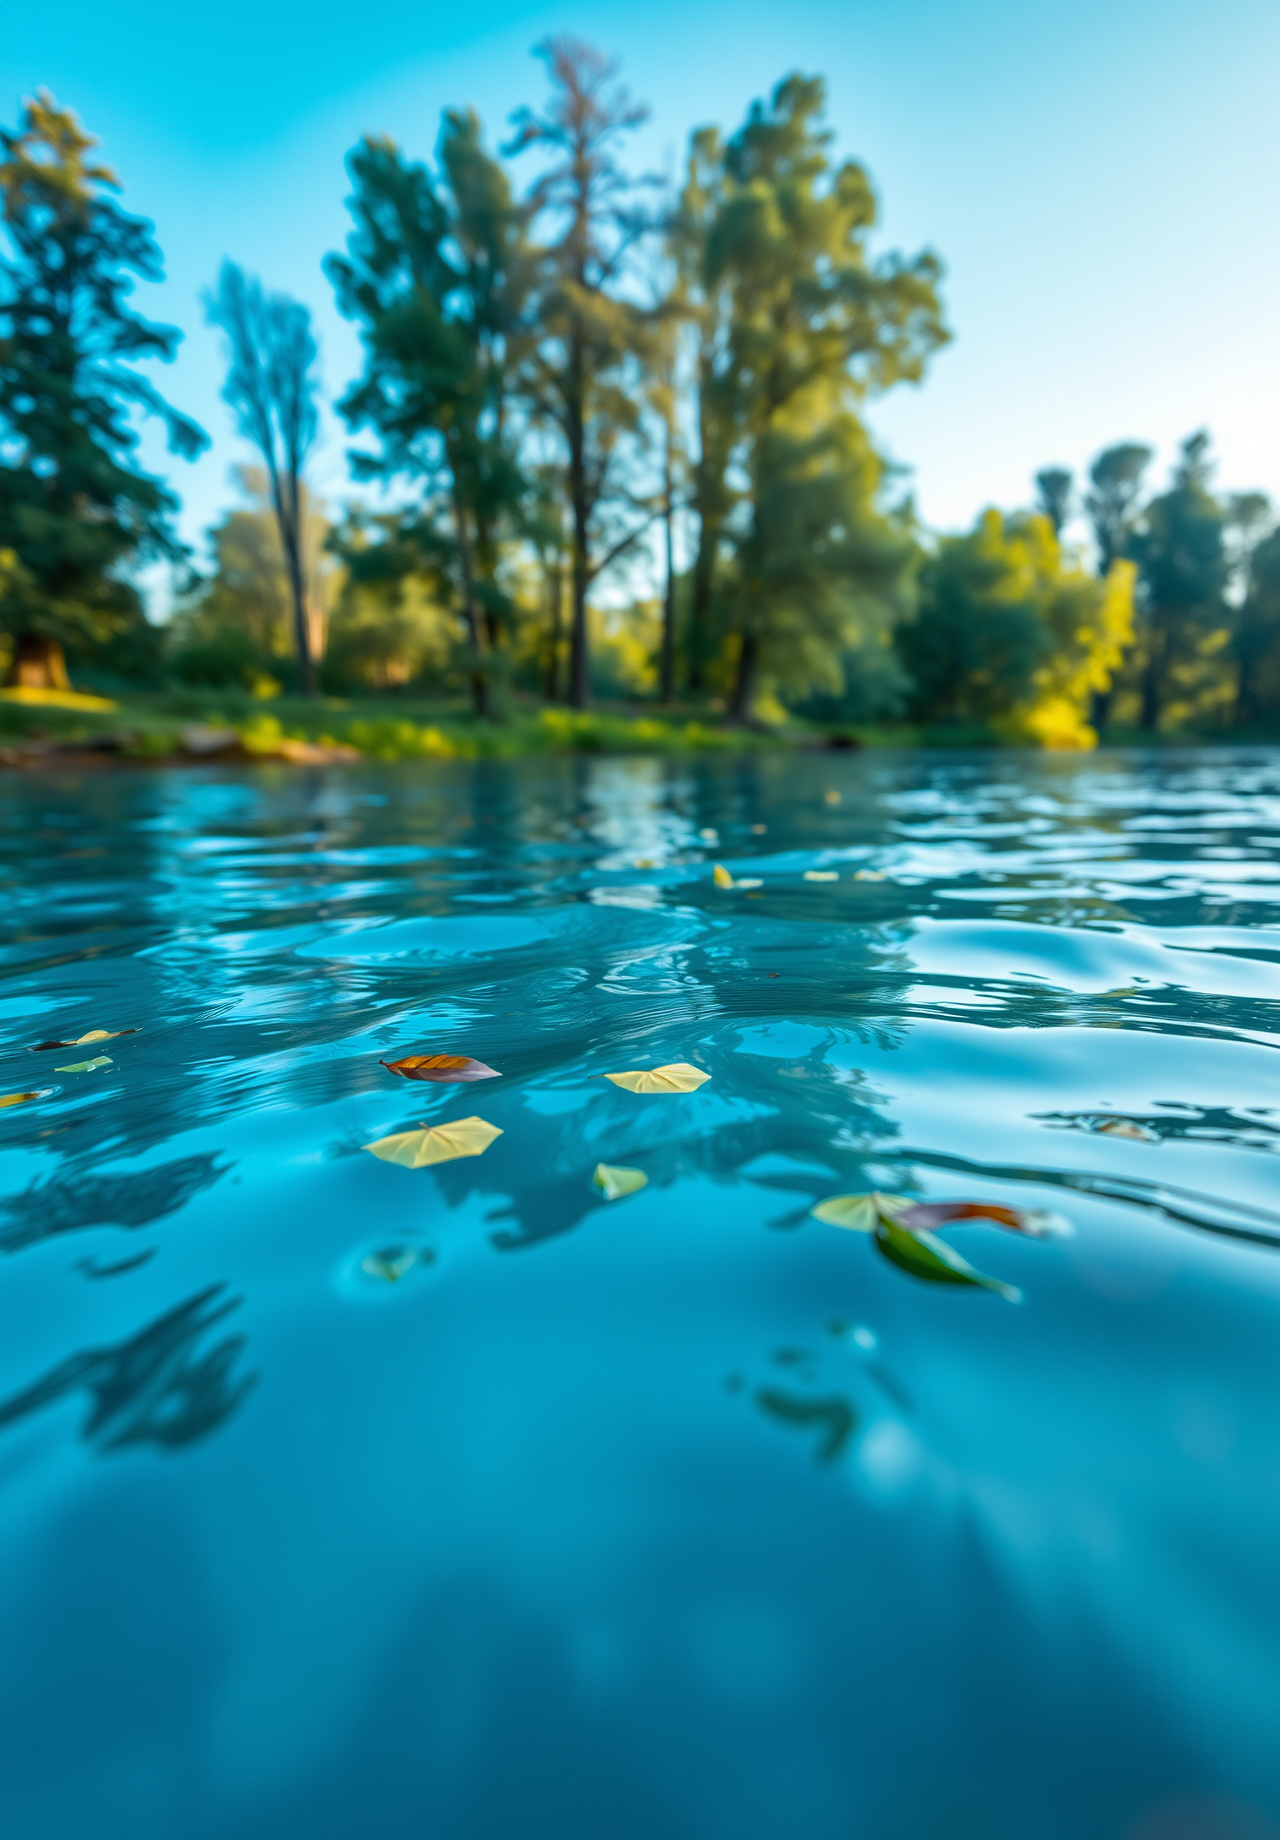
644, 862
831, 798
439, 1143
1126, 1127
868, 875
391, 1263
677, 1077
722, 878
859, 1213
926, 1256
101, 1060
759, 830
614, 1182
821, 875
709, 836
922, 1216
81, 1041
440, 1067
24, 1098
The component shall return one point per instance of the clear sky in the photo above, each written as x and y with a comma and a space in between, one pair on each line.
1102, 182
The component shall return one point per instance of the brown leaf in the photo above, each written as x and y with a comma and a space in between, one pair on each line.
445, 1068
80, 1040
1036, 1223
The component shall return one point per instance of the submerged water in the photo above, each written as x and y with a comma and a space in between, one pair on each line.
345, 1501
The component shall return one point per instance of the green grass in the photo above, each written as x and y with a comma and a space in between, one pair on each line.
150, 726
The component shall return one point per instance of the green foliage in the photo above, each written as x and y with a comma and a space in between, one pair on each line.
810, 325
1182, 560
76, 512
437, 274
1257, 638
1011, 632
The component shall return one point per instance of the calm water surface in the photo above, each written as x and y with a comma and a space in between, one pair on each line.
351, 1502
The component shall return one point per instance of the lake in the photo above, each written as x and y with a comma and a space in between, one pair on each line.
349, 1500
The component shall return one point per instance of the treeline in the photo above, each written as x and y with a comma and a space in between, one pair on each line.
572, 378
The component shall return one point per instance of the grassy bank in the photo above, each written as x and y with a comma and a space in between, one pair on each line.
188, 726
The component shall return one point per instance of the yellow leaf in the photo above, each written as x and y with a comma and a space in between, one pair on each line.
821, 875
677, 1077
859, 1213
439, 1143
868, 875
644, 862
832, 798
23, 1098
614, 1182
721, 876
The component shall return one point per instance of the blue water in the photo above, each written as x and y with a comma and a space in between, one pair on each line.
683, 1516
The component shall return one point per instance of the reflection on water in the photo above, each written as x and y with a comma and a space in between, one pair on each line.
154, 1388
699, 1517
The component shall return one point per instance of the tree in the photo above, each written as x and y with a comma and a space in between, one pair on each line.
1183, 568
76, 513
437, 272
271, 389
581, 367
814, 326
1112, 504
1011, 636
1256, 641
235, 627
705, 300
1055, 489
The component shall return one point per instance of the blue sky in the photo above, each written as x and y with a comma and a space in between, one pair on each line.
1102, 182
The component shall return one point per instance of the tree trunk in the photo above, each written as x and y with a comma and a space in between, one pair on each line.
37, 664
579, 660
745, 684
667, 675
288, 519
470, 610
1153, 682
555, 599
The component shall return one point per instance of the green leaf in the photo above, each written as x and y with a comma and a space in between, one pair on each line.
924, 1255
614, 1182
101, 1060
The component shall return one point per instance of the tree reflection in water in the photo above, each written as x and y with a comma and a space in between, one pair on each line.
155, 1388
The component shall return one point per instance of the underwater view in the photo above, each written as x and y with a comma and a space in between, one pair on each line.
604, 1299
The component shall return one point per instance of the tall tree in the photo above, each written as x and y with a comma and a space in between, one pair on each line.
437, 274
1112, 502
580, 373
1256, 638
1011, 634
271, 390
1183, 570
815, 325
705, 299
1055, 489
75, 511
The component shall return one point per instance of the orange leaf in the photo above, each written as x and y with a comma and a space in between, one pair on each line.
440, 1067
1036, 1223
